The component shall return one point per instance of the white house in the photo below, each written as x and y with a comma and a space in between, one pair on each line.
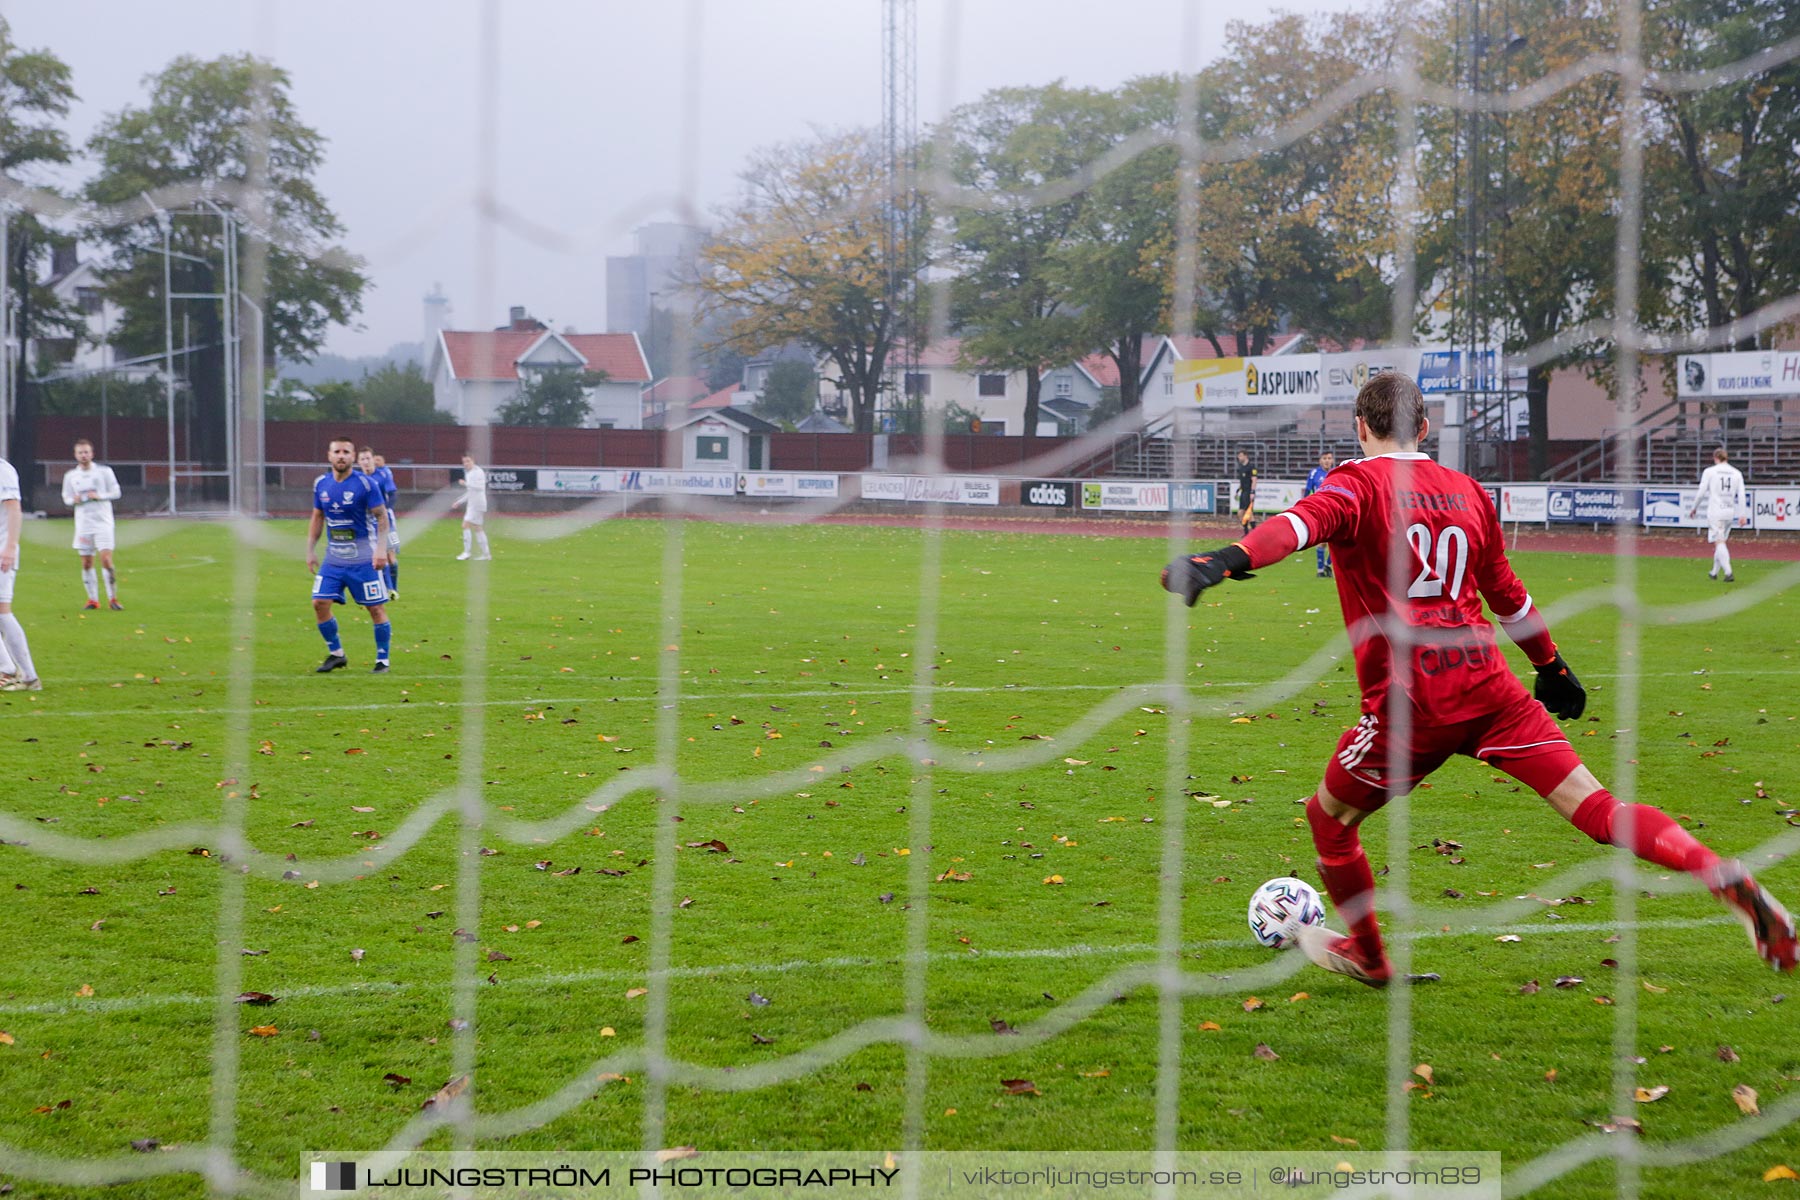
76, 282
474, 372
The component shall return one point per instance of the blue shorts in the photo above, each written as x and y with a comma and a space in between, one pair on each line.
362, 581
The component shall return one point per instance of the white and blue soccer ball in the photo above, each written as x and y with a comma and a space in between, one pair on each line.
1280, 907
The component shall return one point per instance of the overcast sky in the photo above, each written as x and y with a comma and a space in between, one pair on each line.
593, 95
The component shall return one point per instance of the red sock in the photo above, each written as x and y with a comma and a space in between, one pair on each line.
1344, 868
1655, 836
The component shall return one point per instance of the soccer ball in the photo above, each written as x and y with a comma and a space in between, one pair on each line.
1280, 907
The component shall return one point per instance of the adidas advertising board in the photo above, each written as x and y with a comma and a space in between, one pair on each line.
1047, 493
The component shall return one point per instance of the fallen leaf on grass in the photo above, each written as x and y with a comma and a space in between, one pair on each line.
1726, 1054
1210, 1027
1550, 1075
1507, 937
1568, 981
499, 956
1423, 1071
263, 1031
356, 955
1652, 988
1020, 1087
634, 993
450, 1091
255, 998
1779, 1171
395, 1080
1650, 1095
715, 846
999, 1026
1344, 1141
6, 1039
1263, 1052
145, 1145
84, 990
760, 1040
1053, 880
758, 999
1252, 1004
1745, 1096
361, 808
676, 1153
1529, 988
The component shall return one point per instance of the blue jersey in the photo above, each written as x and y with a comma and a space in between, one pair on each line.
384, 479
349, 522
1315, 479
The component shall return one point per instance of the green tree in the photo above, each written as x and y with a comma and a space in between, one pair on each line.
799, 259
1005, 300
203, 124
35, 93
1722, 175
552, 396
401, 394
789, 393
1107, 266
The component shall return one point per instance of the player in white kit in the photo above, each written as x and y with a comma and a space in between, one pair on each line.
17, 674
474, 502
1722, 492
90, 488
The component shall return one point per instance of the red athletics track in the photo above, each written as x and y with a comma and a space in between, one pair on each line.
1661, 543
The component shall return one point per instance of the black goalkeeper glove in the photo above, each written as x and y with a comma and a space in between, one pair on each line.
1559, 690
1188, 577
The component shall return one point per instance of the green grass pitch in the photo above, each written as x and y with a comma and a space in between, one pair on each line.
797, 664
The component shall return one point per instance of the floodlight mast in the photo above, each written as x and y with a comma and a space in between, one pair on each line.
899, 147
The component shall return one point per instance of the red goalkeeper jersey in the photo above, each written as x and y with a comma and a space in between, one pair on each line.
1415, 542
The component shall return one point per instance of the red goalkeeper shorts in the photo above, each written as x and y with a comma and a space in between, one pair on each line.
1520, 738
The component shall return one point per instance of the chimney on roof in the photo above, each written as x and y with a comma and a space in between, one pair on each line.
516, 315
519, 322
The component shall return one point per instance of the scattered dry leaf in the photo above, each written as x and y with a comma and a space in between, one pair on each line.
1745, 1096
1263, 1052
1650, 1095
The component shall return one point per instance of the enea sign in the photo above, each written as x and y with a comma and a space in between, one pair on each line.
578, 482
1047, 493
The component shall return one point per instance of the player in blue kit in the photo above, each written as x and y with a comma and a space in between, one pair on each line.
1315, 479
348, 508
371, 464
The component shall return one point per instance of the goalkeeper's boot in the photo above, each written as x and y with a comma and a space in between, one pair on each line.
1770, 927
1335, 952
91, 605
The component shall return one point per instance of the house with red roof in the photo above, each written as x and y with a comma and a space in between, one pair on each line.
475, 372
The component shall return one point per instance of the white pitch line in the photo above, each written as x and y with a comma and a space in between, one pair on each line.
793, 966
848, 691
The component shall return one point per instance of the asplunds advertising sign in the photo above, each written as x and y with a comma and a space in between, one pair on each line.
1245, 382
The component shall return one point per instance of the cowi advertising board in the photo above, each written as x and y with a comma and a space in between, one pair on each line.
1130, 495
932, 489
774, 483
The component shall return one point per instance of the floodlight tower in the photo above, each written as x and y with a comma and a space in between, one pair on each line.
899, 232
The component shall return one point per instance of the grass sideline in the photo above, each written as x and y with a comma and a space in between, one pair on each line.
797, 650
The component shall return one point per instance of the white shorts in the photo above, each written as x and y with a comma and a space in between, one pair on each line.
393, 532
90, 541
475, 513
6, 585
1719, 531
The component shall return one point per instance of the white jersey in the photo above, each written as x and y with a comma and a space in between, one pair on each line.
9, 490
475, 479
1722, 491
90, 492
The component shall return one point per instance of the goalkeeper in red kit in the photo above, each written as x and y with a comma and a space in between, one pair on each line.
1417, 547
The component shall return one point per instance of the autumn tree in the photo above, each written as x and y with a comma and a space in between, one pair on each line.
35, 93
1549, 197
204, 124
1296, 235
1006, 300
799, 259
